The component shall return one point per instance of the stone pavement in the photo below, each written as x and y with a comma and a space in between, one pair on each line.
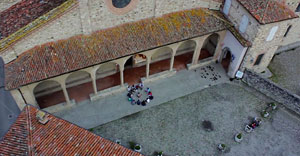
176, 127
89, 114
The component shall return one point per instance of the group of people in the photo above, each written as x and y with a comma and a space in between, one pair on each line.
136, 91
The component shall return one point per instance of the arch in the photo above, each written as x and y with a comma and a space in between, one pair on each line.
79, 85
107, 76
135, 68
209, 46
161, 60
45, 91
184, 54
226, 58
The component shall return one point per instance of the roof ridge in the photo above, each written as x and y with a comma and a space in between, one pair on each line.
28, 119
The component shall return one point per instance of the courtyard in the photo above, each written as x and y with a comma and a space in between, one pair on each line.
175, 127
286, 71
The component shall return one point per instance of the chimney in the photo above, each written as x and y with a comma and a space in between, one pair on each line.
42, 117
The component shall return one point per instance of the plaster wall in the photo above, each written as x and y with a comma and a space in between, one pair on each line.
292, 4
18, 98
237, 52
235, 15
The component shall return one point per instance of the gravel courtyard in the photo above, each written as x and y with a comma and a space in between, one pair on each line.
176, 128
286, 70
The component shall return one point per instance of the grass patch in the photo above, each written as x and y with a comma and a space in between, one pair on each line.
275, 77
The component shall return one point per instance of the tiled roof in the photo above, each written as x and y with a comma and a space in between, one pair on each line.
57, 137
56, 58
22, 13
268, 11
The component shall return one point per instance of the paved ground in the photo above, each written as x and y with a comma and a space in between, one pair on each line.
89, 114
286, 70
175, 127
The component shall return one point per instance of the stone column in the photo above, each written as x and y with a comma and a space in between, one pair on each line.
121, 74
93, 77
197, 52
174, 49
64, 88
218, 50
148, 66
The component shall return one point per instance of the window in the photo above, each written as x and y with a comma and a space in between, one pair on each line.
287, 31
244, 24
298, 8
227, 7
259, 58
272, 33
120, 3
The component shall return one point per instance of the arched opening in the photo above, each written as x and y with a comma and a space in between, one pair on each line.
160, 60
135, 69
79, 85
45, 92
226, 58
184, 54
209, 47
108, 75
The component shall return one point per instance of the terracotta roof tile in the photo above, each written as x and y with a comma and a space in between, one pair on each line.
56, 58
268, 11
57, 137
23, 13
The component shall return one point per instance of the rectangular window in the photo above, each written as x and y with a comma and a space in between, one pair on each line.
287, 31
259, 58
298, 8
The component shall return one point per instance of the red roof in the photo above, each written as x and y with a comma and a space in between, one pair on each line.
56, 58
268, 11
57, 137
23, 13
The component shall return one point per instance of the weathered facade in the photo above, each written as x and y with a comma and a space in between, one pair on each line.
89, 42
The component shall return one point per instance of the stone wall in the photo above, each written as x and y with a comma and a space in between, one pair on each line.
294, 33
5, 4
261, 46
235, 15
64, 27
272, 90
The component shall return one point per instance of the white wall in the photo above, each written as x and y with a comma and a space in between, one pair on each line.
237, 50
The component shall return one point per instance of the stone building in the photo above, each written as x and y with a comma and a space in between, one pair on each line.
62, 45
265, 24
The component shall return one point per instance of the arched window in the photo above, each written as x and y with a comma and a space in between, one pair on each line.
272, 33
227, 7
244, 24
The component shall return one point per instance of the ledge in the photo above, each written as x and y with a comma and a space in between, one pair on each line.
158, 76
107, 92
59, 107
201, 63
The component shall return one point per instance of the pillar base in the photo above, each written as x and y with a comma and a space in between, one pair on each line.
201, 63
107, 92
158, 76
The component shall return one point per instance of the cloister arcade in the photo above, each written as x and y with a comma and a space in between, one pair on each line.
80, 85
